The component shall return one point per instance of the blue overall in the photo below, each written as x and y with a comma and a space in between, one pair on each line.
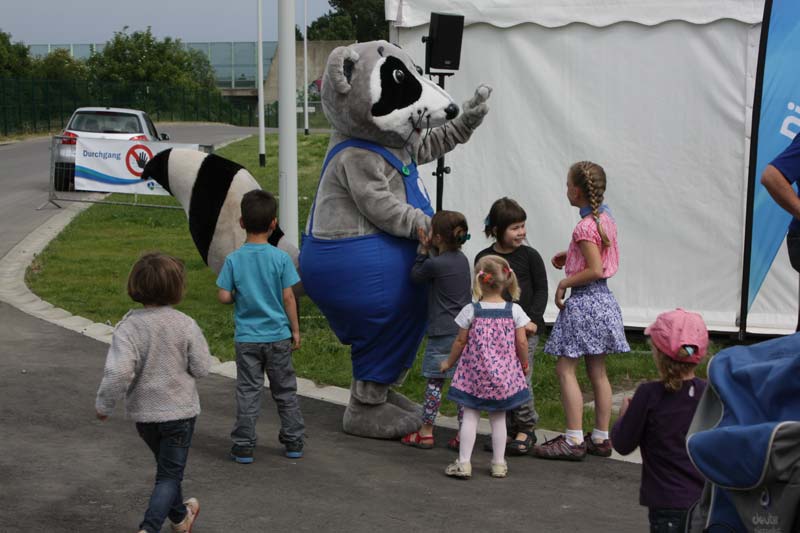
363, 284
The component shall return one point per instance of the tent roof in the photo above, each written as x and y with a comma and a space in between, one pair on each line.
554, 13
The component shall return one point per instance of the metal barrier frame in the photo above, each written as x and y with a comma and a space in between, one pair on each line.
53, 198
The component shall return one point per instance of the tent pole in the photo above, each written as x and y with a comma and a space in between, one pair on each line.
751, 173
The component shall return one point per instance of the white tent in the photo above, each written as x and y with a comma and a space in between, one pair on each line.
660, 93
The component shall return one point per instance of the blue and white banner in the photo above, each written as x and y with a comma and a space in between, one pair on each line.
106, 165
778, 119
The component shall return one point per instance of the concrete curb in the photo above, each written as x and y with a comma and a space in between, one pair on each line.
16, 293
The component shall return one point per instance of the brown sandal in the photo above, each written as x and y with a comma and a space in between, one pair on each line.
415, 440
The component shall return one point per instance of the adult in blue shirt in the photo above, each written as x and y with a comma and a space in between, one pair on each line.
778, 178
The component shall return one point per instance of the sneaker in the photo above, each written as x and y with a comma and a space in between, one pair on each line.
499, 469
601, 450
242, 455
294, 450
192, 510
559, 448
459, 470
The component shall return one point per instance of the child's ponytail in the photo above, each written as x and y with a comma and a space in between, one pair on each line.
494, 272
592, 179
452, 227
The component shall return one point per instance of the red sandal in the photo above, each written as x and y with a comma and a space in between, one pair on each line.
454, 443
415, 440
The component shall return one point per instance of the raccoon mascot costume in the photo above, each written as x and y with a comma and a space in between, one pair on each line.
360, 240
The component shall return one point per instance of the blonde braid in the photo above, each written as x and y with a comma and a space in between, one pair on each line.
595, 197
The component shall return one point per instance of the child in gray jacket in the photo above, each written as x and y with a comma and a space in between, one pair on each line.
155, 355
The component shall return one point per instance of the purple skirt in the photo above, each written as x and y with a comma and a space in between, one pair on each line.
589, 324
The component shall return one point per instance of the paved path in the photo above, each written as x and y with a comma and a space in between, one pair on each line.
61, 470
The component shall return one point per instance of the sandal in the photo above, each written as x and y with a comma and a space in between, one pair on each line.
454, 443
521, 447
415, 440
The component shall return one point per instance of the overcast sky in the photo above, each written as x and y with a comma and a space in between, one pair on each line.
95, 21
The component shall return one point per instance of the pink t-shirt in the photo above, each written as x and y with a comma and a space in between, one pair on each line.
586, 230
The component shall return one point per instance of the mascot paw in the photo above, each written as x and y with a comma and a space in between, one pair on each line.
382, 421
476, 107
377, 411
404, 403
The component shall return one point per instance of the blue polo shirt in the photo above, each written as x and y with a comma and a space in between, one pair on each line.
257, 275
788, 162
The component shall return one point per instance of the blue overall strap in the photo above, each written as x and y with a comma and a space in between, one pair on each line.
393, 160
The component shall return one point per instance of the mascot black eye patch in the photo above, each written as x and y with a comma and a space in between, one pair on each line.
399, 88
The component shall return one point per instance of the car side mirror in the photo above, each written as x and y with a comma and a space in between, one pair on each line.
164, 137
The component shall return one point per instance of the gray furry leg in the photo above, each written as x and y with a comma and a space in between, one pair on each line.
404, 403
371, 414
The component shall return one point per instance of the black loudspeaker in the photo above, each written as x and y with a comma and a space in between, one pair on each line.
443, 45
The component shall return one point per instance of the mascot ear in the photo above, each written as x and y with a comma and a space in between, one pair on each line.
340, 67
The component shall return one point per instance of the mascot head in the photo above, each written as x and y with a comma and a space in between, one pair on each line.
374, 91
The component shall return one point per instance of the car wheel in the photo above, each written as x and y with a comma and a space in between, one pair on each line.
64, 177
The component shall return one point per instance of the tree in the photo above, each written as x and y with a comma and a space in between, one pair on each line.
139, 57
332, 27
59, 65
15, 59
367, 17
298, 35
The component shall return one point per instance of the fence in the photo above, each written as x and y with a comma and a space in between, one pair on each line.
31, 106
62, 181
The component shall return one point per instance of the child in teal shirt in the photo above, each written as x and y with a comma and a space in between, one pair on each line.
257, 278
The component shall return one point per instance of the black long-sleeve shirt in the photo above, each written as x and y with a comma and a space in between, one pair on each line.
531, 275
450, 291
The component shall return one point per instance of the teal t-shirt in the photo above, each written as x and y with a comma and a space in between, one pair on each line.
257, 275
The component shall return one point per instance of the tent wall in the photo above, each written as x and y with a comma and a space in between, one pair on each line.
664, 108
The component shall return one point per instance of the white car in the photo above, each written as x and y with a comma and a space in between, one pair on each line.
99, 123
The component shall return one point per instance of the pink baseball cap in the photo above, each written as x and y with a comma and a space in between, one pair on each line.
677, 329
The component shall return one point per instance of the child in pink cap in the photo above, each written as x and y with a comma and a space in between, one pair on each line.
658, 417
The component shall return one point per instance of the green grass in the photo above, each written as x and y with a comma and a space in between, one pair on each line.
84, 270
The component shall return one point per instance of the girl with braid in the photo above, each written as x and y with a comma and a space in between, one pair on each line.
589, 323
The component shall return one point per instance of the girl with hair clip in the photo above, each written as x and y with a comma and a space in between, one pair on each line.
493, 351
506, 224
449, 277
589, 323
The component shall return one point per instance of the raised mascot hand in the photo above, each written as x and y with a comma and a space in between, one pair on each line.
476, 107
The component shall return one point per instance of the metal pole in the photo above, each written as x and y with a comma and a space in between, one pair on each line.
287, 120
262, 151
441, 169
305, 65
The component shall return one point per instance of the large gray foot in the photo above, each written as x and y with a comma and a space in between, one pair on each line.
404, 403
371, 414
384, 421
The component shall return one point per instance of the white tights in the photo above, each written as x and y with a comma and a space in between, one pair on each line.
469, 431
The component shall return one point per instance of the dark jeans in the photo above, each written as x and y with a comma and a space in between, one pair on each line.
667, 520
524, 418
252, 360
793, 247
169, 442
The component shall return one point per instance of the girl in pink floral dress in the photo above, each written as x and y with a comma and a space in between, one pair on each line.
493, 351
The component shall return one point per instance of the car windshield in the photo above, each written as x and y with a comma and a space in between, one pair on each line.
105, 122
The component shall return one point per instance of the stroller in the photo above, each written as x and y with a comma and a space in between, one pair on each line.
745, 440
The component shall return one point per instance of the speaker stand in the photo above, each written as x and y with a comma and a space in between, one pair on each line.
441, 169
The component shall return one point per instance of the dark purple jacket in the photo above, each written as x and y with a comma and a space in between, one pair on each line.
657, 422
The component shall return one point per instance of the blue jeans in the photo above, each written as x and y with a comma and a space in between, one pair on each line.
169, 442
667, 520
